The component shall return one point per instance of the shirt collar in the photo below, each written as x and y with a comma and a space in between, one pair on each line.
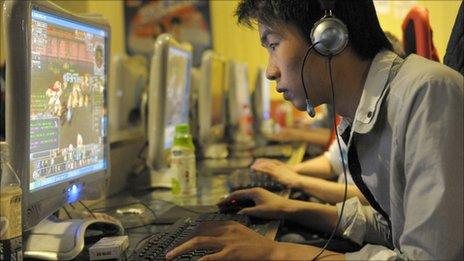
372, 95
373, 92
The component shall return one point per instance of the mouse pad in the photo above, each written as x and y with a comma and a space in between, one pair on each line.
174, 213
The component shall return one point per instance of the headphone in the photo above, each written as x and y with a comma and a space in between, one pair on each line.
329, 32
329, 36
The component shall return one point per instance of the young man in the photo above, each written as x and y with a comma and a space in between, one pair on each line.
403, 126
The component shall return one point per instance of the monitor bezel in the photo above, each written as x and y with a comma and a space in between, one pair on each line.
262, 87
40, 203
205, 97
235, 111
157, 97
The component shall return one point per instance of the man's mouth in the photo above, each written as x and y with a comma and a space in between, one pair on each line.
285, 93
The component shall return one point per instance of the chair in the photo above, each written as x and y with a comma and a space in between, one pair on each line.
417, 34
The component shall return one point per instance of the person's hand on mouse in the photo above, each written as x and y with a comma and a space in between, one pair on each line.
268, 205
279, 171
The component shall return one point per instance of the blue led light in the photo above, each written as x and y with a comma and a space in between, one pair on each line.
74, 193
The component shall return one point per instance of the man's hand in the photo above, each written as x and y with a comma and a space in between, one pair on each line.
232, 240
281, 172
267, 204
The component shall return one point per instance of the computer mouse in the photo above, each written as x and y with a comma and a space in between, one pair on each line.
235, 205
292, 238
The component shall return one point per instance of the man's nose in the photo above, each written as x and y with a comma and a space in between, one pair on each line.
272, 72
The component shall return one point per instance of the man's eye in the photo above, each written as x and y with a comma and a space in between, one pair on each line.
272, 46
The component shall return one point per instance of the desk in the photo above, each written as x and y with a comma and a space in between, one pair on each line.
137, 210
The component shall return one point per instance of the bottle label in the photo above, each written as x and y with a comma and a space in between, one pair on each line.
10, 223
11, 249
183, 168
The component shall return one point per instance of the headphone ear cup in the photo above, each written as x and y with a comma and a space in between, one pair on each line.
332, 35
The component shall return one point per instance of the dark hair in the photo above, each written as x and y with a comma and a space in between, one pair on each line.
365, 34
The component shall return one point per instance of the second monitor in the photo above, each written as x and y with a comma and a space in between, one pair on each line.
169, 94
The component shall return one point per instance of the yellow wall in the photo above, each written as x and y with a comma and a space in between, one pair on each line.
236, 42
112, 10
242, 44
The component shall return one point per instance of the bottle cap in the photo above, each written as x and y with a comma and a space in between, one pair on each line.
183, 129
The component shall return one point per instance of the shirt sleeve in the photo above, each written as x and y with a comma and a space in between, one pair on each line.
362, 224
333, 155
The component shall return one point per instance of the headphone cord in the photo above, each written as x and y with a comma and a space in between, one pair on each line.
310, 48
343, 163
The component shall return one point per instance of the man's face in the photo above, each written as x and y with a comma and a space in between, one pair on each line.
286, 48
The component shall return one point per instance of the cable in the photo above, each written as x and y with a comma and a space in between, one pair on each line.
139, 154
67, 212
311, 47
343, 163
88, 210
149, 208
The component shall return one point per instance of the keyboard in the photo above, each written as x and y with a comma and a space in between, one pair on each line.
247, 178
156, 246
282, 152
226, 165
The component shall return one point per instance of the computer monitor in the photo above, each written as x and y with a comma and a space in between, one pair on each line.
169, 94
211, 98
240, 118
128, 81
262, 104
56, 105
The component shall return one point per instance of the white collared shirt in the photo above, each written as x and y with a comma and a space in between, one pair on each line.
409, 140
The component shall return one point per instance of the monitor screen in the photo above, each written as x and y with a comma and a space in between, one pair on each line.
177, 92
67, 108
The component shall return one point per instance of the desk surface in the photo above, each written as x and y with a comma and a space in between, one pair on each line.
138, 210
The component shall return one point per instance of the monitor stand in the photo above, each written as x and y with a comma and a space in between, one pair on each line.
54, 239
147, 179
161, 178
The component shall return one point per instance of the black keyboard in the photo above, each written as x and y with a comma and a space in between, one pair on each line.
226, 165
247, 178
156, 246
282, 152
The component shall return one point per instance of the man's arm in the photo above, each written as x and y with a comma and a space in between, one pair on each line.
328, 191
314, 136
318, 167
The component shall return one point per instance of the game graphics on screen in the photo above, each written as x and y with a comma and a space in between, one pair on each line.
67, 103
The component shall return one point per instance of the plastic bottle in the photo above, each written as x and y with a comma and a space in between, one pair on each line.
183, 163
10, 209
